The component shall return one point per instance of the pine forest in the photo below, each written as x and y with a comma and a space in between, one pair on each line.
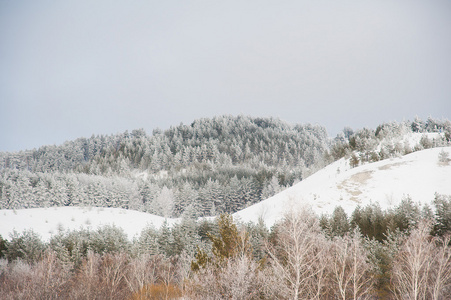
202, 173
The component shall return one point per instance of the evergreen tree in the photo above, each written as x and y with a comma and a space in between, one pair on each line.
165, 240
228, 243
147, 242
25, 191
59, 192
339, 224
164, 202
407, 214
354, 161
371, 221
271, 189
12, 195
73, 191
3, 247
442, 205
443, 158
41, 194
63, 254
26, 245
185, 236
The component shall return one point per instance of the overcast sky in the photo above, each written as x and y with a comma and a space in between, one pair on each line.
71, 69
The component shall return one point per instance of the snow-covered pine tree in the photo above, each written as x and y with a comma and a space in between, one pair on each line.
271, 188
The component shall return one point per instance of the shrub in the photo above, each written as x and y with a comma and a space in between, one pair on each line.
27, 246
158, 291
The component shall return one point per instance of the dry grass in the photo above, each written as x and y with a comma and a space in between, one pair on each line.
157, 291
353, 184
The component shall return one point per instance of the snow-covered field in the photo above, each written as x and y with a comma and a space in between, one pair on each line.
418, 175
47, 221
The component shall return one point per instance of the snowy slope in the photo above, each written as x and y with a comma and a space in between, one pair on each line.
418, 175
47, 221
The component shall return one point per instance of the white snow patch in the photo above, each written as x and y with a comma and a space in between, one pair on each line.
418, 175
47, 221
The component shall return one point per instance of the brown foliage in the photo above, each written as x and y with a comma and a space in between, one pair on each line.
239, 278
107, 276
157, 291
302, 263
47, 279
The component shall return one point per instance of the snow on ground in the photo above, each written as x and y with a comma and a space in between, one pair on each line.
418, 175
47, 221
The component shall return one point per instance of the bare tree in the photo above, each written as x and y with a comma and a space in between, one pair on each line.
168, 275
297, 257
113, 269
350, 268
16, 281
142, 271
51, 276
238, 279
440, 286
86, 281
47, 279
412, 266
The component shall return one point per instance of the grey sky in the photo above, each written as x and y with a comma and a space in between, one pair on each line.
70, 69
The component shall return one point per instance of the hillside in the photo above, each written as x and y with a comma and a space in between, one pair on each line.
227, 164
47, 222
211, 166
418, 175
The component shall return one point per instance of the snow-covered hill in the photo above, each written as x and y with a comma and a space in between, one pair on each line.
47, 221
418, 175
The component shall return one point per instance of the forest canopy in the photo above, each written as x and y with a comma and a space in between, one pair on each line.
212, 166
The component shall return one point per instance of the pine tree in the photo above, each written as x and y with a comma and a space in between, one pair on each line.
25, 191
41, 194
73, 191
185, 197
233, 196
407, 214
339, 223
165, 240
442, 206
271, 189
3, 247
59, 192
354, 161
185, 236
147, 242
63, 254
228, 243
26, 245
443, 158
12, 195
164, 203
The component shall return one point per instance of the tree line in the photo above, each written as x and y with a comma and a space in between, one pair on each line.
212, 166
386, 141
403, 253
